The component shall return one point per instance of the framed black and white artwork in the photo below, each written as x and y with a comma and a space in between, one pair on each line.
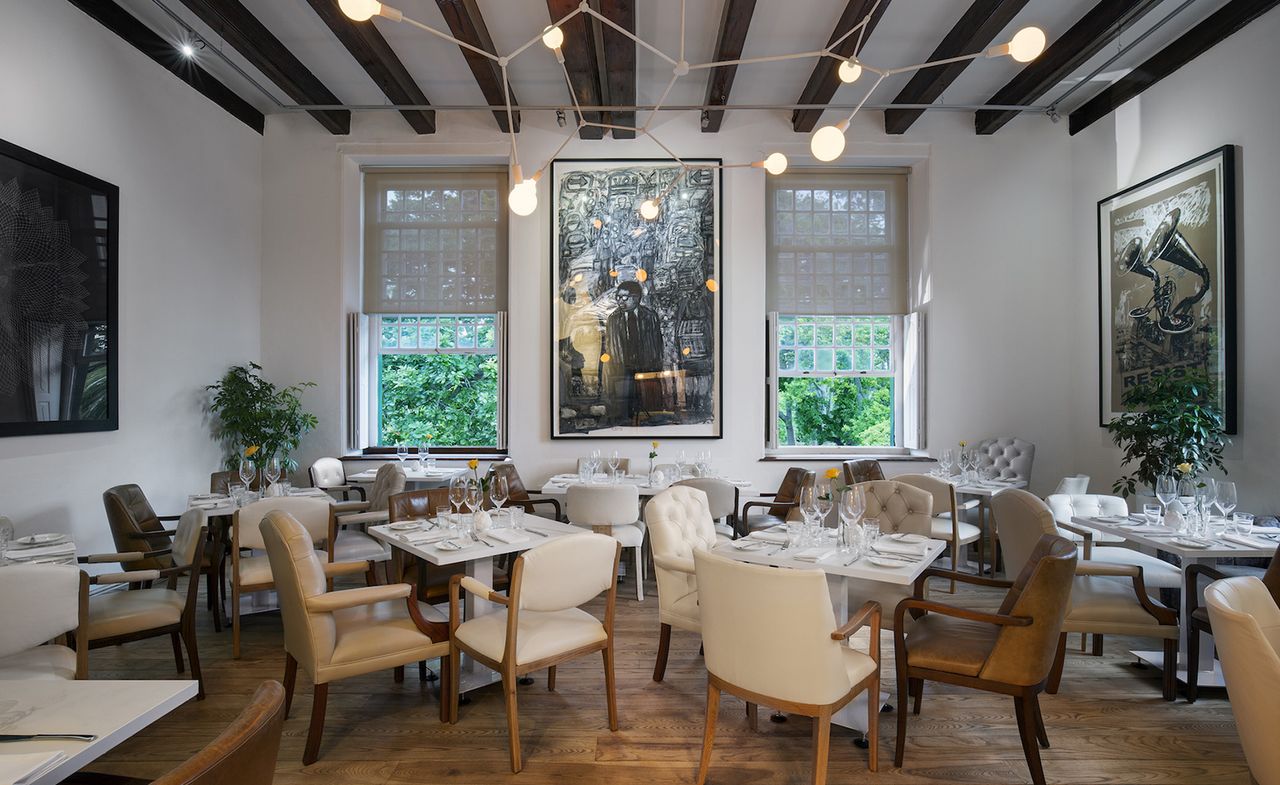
636, 316
1166, 263
58, 266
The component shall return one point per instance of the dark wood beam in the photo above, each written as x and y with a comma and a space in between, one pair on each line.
235, 25
1220, 25
466, 24
165, 52
975, 31
824, 81
1097, 28
734, 24
618, 61
376, 57
582, 62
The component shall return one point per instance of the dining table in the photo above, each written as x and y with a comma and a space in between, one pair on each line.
106, 712
52, 548
1255, 542
558, 485
418, 476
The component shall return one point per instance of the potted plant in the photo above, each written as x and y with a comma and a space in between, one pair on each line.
251, 412
1174, 426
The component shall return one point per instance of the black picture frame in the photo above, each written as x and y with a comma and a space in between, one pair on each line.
59, 293
716, 429
1172, 218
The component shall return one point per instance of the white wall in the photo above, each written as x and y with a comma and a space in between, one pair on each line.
1226, 96
190, 260
990, 247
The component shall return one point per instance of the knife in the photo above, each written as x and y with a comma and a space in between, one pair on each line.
34, 736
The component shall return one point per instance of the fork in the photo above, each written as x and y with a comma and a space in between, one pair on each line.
481, 541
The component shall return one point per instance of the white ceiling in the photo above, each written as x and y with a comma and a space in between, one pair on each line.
907, 34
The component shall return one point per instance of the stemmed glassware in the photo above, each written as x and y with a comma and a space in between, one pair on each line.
247, 471
947, 461
498, 491
1166, 491
682, 462
457, 492
704, 463
853, 503
615, 460
273, 470
472, 496
823, 501
402, 452
1226, 498
808, 505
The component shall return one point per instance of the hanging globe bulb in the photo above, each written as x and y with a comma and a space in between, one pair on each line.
775, 163
360, 10
828, 142
523, 199
1027, 44
648, 209
849, 71
552, 37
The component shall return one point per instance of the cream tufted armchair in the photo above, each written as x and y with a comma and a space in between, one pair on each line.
328, 474
722, 501
1246, 629
1105, 598
680, 522
947, 525
1011, 457
901, 508
25, 651
335, 635
1156, 574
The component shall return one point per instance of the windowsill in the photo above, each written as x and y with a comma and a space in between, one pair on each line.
845, 456
460, 457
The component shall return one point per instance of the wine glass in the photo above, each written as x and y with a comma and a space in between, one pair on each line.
597, 460
682, 460
1166, 490
615, 460
948, 461
498, 491
852, 505
457, 492
272, 470
823, 500
1226, 498
472, 496
704, 463
246, 472
809, 505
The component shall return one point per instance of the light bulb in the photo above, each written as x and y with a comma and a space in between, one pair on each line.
712, 286
360, 10
552, 36
775, 163
642, 275
523, 199
188, 51
827, 143
849, 71
648, 209
1027, 44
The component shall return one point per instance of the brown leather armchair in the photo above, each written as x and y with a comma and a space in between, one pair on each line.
135, 527
866, 470
517, 494
1010, 652
783, 502
244, 753
1198, 619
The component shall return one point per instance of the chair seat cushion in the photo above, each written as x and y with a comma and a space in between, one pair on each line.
1156, 574
683, 613
375, 637
1108, 605
951, 645
630, 535
942, 530
352, 545
255, 571
541, 635
123, 612
858, 665
760, 520
42, 662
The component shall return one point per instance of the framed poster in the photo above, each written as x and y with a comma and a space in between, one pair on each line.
635, 314
1166, 264
58, 339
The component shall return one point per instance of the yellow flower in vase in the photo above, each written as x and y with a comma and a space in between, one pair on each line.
251, 451
1184, 467
832, 473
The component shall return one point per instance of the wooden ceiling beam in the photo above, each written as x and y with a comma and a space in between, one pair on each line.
974, 32
165, 52
466, 24
1217, 27
824, 81
234, 24
582, 62
376, 57
617, 61
735, 21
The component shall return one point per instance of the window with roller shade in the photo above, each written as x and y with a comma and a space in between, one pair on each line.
435, 290
837, 299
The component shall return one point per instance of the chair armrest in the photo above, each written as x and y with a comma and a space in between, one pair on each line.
177, 517
869, 612
1085, 534
341, 508
355, 518
164, 534
333, 569
480, 590
113, 558
968, 504
353, 598
529, 503
931, 606
437, 631
964, 577
1162, 613
1108, 570
137, 576
743, 529
1192, 583
674, 563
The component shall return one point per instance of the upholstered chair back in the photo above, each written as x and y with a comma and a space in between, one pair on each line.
308, 511
245, 753
899, 506
516, 490
1076, 483
1041, 592
327, 472
1246, 633
128, 514
186, 538
602, 505
421, 503
1066, 505
942, 492
567, 572
389, 481
789, 491
1021, 518
1011, 457
791, 655
866, 470
29, 623
721, 496
298, 574
680, 522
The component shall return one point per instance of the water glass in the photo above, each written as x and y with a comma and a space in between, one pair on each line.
586, 472
1152, 513
431, 463
443, 516
1242, 523
871, 532
517, 517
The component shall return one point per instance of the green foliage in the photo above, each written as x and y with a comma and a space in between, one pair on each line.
94, 398
1173, 421
439, 398
850, 411
251, 411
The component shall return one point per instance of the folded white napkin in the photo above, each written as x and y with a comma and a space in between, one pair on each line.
1173, 518
509, 536
43, 551
1150, 529
774, 537
812, 554
1251, 542
209, 504
25, 767
887, 545
420, 537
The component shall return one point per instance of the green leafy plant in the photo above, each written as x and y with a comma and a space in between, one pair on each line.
251, 412
448, 399
1173, 422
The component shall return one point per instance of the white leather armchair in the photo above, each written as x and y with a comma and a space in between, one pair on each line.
798, 661
1246, 631
350, 541
1156, 574
1075, 483
613, 510
25, 651
329, 475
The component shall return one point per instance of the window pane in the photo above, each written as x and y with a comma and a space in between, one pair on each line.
427, 333
881, 359
844, 334
408, 332
448, 336
804, 334
844, 359
390, 333
843, 411
804, 360
452, 397
466, 332
825, 360
881, 334
786, 332
486, 333
862, 359
824, 334
862, 333
787, 360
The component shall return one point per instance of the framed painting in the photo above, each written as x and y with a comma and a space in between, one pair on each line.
1166, 264
635, 312
59, 348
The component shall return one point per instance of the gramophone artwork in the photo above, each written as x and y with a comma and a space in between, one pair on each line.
1166, 261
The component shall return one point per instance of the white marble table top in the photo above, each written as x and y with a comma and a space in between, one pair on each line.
861, 569
1166, 540
412, 474
559, 484
487, 549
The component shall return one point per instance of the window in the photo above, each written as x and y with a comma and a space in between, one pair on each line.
435, 292
837, 296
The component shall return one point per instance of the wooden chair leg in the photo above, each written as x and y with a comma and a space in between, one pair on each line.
1097, 644
551, 679
639, 574
1042, 734
753, 716
1171, 669
1059, 660
290, 679
917, 692
189, 638
235, 622
399, 674
1193, 664
455, 667
955, 562
900, 744
176, 639
318, 702
422, 670
664, 648
709, 731
821, 745
1026, 713
873, 725
513, 720
445, 682
610, 687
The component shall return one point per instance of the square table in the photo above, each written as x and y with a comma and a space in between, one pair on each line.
981, 491
1149, 542
414, 475
112, 710
559, 484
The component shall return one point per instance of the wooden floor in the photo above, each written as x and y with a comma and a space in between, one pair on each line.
1107, 725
